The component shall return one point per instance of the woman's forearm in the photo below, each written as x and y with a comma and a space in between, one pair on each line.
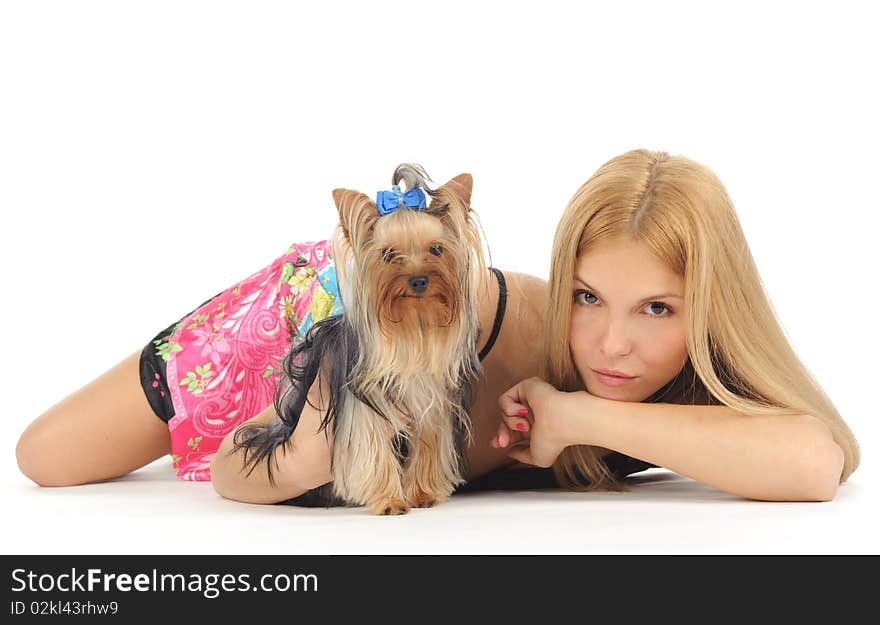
233, 482
771, 458
304, 463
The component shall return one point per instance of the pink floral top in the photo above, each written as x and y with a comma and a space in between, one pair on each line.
224, 359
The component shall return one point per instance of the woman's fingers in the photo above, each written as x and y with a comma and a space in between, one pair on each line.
518, 421
507, 435
515, 424
512, 401
514, 409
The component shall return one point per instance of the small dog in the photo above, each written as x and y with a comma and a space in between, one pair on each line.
400, 362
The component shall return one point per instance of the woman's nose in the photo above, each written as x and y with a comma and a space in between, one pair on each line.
615, 340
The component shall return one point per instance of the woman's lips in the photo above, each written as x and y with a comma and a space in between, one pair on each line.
611, 380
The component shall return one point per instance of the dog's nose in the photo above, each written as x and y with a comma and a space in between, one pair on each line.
418, 284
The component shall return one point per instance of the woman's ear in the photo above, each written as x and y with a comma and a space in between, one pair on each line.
357, 214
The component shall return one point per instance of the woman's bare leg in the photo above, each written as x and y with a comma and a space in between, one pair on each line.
104, 430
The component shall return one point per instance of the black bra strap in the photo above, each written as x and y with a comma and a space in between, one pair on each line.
499, 313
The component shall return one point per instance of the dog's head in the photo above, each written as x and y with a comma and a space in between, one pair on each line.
413, 270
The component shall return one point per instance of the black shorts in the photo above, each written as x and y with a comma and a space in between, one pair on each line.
152, 367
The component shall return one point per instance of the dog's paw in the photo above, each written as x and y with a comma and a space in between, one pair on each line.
424, 502
421, 499
392, 506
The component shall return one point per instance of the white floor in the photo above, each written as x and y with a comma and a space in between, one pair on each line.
151, 512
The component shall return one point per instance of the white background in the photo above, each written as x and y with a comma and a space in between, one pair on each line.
152, 154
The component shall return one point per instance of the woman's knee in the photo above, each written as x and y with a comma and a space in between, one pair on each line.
35, 458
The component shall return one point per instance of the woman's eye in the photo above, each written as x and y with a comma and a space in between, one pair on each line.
435, 249
657, 313
581, 297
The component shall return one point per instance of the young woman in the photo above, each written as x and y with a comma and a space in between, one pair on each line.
110, 427
661, 344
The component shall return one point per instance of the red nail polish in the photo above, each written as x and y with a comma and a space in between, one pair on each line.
521, 426
523, 412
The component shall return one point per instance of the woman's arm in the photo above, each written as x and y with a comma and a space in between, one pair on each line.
306, 464
771, 458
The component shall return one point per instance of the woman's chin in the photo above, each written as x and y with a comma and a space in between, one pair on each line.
602, 393
618, 394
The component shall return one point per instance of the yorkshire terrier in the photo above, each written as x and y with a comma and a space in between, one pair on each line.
399, 364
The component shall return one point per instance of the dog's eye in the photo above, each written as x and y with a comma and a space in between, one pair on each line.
388, 255
435, 249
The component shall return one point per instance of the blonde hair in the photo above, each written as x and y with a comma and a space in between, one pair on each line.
738, 355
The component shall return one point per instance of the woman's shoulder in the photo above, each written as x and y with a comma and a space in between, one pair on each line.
525, 280
518, 348
526, 301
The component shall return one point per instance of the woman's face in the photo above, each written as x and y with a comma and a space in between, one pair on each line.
627, 315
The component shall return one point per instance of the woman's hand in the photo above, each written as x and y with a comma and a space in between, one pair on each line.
532, 419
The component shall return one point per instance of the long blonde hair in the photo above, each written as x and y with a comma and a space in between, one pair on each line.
738, 355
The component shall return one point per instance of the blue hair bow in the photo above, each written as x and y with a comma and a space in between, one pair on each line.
389, 201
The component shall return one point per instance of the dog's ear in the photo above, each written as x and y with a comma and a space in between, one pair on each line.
459, 187
357, 213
